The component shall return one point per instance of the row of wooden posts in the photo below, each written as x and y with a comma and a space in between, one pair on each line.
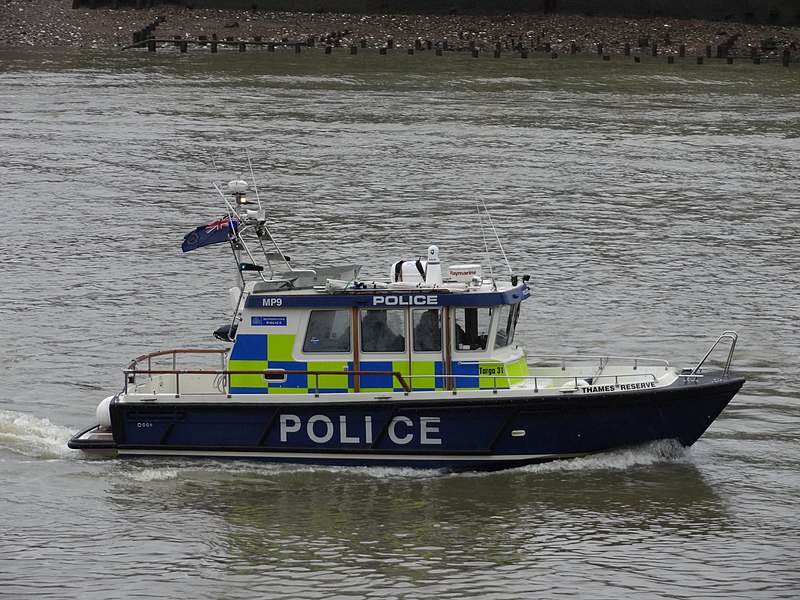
144, 38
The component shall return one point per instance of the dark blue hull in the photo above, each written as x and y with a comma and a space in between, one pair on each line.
460, 433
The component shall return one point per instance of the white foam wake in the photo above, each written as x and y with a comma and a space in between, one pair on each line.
26, 434
662, 451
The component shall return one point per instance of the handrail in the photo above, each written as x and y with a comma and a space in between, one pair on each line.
727, 334
407, 388
132, 371
603, 360
535, 378
228, 373
158, 353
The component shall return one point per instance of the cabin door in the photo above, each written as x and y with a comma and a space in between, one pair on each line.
426, 356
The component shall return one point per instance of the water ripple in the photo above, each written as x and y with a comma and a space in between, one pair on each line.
652, 208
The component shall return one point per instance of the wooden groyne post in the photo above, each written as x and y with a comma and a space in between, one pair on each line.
765, 52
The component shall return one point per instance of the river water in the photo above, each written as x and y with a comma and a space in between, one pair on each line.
653, 205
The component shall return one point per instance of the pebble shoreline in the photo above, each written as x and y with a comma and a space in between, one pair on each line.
54, 23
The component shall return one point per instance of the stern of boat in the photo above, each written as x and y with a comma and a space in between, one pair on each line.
96, 440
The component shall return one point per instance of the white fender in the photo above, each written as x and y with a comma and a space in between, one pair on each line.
103, 412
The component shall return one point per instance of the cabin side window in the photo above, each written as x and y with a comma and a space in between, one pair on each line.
472, 327
427, 330
383, 330
328, 331
506, 324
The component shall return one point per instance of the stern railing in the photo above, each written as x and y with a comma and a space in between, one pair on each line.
174, 353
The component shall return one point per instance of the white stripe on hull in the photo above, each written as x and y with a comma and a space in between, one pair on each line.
417, 458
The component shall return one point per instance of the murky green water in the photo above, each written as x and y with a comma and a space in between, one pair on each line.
654, 205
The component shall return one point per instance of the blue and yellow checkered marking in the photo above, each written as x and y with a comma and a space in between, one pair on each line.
258, 352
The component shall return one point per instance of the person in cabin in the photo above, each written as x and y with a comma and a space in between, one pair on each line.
377, 335
428, 332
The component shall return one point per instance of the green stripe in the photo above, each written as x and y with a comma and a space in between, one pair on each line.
279, 346
328, 381
250, 381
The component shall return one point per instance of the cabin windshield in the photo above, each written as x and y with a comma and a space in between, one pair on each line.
506, 325
328, 331
472, 327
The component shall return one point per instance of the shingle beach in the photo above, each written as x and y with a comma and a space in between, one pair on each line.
49, 23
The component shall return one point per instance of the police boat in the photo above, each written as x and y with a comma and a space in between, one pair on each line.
418, 370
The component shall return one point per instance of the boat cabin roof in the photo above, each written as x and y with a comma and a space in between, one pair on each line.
388, 298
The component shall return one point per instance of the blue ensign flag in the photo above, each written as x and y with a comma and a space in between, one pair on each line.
214, 233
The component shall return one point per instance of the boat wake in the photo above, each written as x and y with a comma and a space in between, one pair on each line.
144, 471
28, 435
149, 475
662, 451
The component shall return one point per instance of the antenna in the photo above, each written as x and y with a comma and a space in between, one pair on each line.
496, 236
253, 178
486, 244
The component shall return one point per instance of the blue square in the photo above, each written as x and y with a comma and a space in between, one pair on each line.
249, 346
